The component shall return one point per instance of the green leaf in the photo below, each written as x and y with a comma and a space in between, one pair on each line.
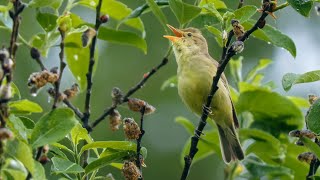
12, 174
28, 123
18, 128
263, 63
208, 145
57, 152
311, 145
272, 112
47, 21
104, 161
117, 165
53, 127
183, 11
15, 90
245, 13
218, 4
290, 79
63, 147
24, 106
171, 82
267, 152
236, 69
60, 165
259, 135
273, 36
79, 133
43, 42
116, 145
39, 172
157, 12
313, 117
302, 6
116, 10
122, 37
144, 9
204, 19
78, 58
22, 152
186, 124
55, 4
260, 169
213, 11
300, 102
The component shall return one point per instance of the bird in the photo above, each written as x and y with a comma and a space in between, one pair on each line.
195, 71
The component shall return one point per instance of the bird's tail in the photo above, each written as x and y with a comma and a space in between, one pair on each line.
230, 145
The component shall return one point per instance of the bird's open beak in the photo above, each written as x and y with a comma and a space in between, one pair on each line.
177, 32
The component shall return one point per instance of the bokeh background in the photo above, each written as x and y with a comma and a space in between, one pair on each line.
123, 66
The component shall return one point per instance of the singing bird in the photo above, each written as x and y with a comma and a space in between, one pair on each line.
196, 69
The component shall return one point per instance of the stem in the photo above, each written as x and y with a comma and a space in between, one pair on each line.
62, 66
240, 3
86, 114
281, 6
139, 155
75, 109
132, 90
214, 87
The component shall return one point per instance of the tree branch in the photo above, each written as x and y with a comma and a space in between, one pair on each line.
86, 114
62, 66
139, 155
214, 87
131, 91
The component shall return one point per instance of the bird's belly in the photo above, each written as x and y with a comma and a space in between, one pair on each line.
194, 89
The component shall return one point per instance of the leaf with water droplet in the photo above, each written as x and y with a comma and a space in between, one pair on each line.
303, 7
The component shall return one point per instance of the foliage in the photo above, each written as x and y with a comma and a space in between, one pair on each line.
266, 116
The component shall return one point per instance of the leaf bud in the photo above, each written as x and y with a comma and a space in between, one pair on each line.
64, 22
238, 29
130, 171
312, 98
5, 134
44, 159
4, 54
116, 95
237, 46
104, 18
299, 143
72, 92
87, 36
303, 133
34, 52
5, 92
131, 129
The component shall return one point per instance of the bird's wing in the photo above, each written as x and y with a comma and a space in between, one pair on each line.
225, 83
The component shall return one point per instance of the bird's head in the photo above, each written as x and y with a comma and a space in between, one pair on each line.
187, 41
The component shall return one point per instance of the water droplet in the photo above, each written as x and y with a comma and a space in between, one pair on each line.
172, 85
269, 42
92, 3
34, 94
49, 99
76, 57
79, 78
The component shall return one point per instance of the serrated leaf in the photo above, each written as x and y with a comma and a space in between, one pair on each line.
157, 12
117, 145
290, 79
47, 21
116, 10
22, 152
272, 35
183, 11
171, 82
104, 161
263, 63
122, 37
60, 165
24, 106
272, 112
313, 117
302, 6
184, 122
18, 128
311, 145
53, 127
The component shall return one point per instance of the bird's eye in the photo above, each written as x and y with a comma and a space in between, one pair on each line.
189, 34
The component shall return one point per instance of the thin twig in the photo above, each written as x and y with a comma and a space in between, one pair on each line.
132, 90
240, 3
86, 114
139, 155
73, 108
214, 87
225, 48
62, 66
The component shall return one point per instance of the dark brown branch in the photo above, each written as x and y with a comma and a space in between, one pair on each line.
214, 87
240, 3
86, 114
139, 155
225, 48
73, 108
130, 92
62, 66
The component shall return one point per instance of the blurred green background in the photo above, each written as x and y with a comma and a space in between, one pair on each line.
123, 66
